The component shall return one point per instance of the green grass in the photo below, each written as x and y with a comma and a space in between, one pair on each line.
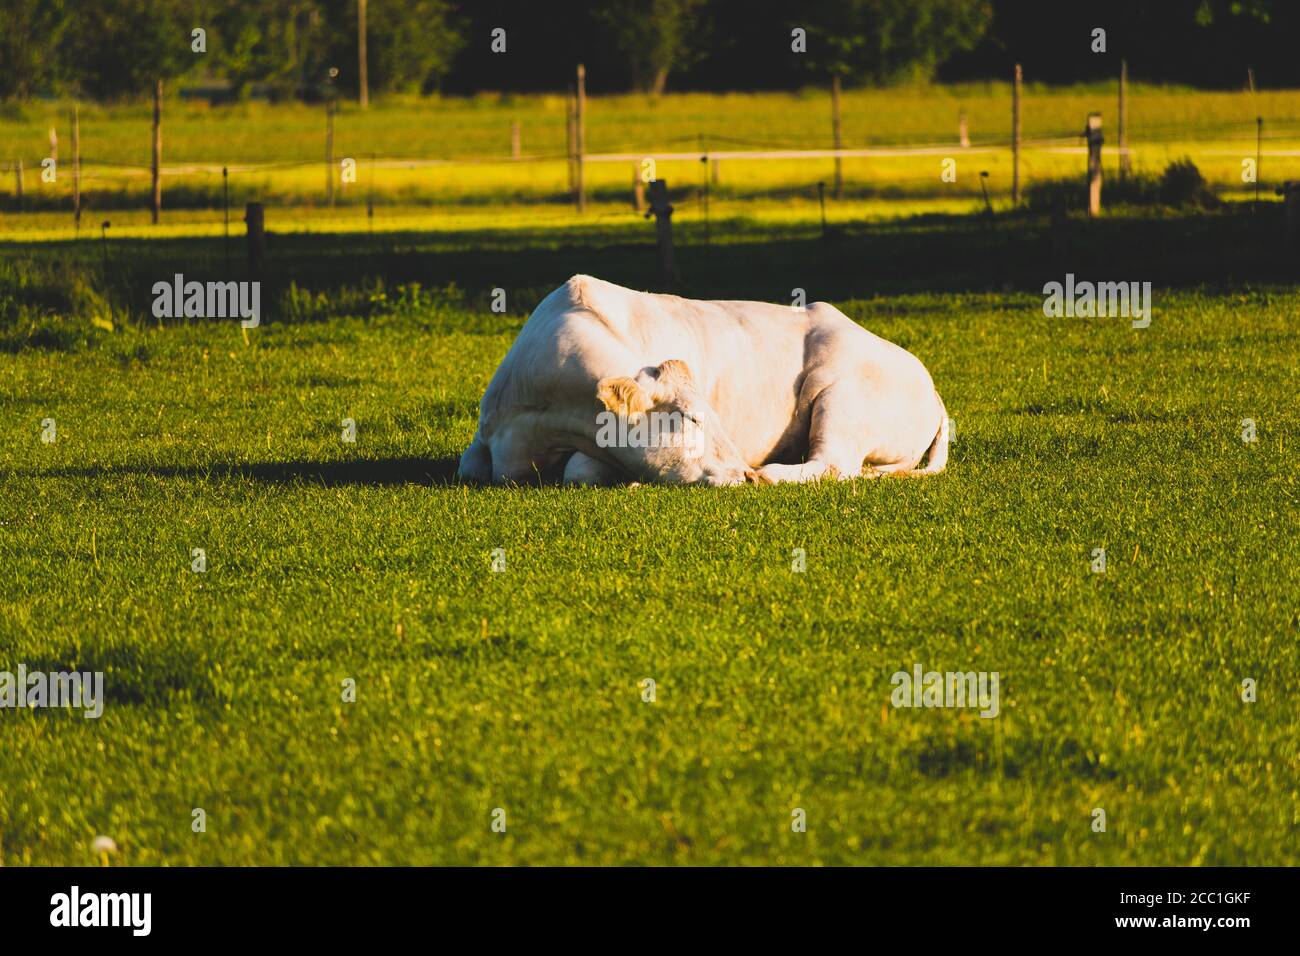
520, 690
275, 153
480, 126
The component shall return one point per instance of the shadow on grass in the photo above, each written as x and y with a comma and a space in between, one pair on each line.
378, 472
929, 253
450, 281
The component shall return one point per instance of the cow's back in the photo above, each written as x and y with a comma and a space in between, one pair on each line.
588, 329
751, 359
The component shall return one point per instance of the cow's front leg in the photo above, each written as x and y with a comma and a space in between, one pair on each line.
808, 471
584, 470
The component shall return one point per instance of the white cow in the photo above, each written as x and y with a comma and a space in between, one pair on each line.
750, 391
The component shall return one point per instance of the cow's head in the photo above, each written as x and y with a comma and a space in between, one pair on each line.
680, 439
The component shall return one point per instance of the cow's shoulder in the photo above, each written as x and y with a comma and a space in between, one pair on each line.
598, 296
825, 312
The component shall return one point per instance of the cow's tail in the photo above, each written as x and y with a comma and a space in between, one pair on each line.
937, 456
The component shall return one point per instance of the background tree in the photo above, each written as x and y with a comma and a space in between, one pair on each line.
653, 37
109, 49
411, 44
1207, 43
885, 41
117, 48
280, 44
30, 34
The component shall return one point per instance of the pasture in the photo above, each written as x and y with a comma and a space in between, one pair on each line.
521, 689
455, 152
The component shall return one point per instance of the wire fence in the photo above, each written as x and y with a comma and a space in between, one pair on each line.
728, 170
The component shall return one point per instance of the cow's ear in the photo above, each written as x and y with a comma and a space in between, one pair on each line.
623, 396
668, 379
675, 370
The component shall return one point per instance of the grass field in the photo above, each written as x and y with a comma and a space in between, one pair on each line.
480, 126
275, 153
521, 690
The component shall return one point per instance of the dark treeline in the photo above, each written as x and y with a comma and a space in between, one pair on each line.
111, 49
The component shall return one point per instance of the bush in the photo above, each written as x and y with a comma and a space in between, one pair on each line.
371, 299
1181, 185
43, 305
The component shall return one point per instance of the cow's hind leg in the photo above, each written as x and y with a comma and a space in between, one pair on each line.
836, 446
476, 463
497, 463
515, 462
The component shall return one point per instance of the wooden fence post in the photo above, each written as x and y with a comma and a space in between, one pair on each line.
54, 148
363, 61
76, 167
225, 206
579, 137
569, 113
254, 218
1015, 136
704, 188
514, 139
837, 131
370, 196
1259, 149
1093, 133
638, 188
1291, 192
1125, 164
329, 147
662, 210
157, 151
963, 131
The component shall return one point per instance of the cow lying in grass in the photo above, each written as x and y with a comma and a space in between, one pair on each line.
736, 392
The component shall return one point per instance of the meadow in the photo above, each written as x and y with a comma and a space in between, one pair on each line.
329, 561
333, 564
456, 151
